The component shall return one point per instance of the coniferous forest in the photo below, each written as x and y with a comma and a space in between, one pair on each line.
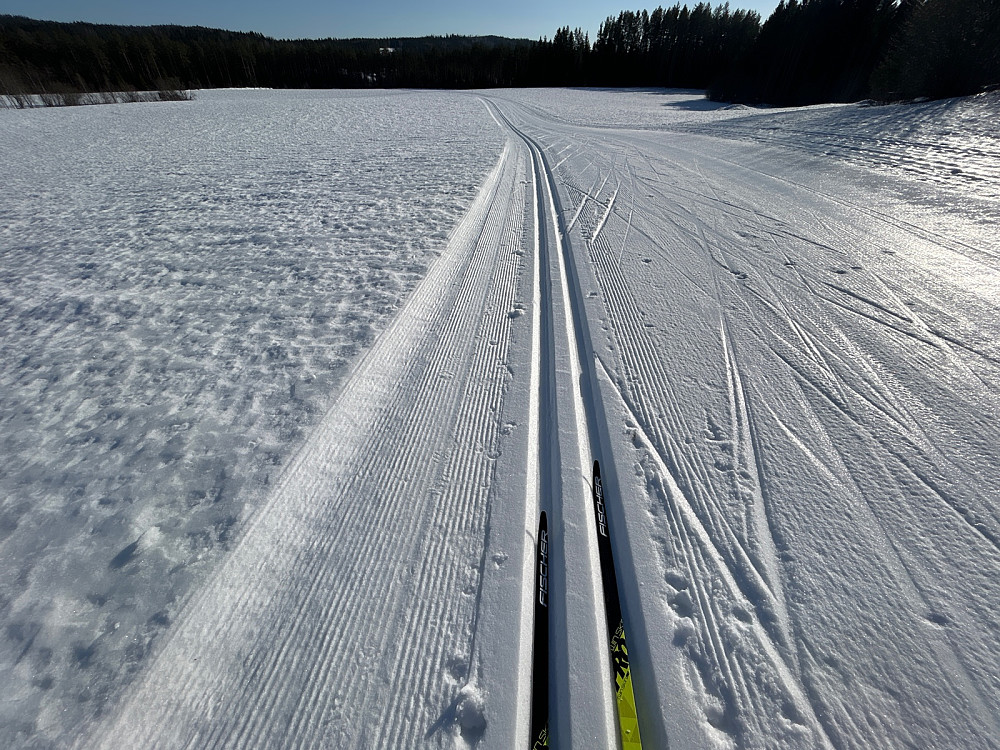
806, 52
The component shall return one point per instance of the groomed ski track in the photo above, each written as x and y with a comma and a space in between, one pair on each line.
581, 699
760, 362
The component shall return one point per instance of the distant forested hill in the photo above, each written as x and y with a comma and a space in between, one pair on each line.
807, 52
673, 47
37, 56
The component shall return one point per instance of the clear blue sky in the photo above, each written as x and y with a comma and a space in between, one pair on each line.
316, 19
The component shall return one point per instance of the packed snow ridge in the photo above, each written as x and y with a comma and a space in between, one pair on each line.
288, 377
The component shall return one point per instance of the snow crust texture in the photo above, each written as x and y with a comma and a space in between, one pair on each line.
183, 291
280, 409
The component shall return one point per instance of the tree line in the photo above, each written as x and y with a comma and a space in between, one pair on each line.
807, 51
45, 56
812, 51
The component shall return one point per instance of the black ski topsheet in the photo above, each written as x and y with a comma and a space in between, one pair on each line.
540, 660
621, 674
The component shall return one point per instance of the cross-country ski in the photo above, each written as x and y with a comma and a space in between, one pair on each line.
621, 676
539, 736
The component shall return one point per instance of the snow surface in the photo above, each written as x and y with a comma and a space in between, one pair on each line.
287, 378
184, 290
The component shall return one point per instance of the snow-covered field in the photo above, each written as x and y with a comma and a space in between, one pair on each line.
184, 290
288, 376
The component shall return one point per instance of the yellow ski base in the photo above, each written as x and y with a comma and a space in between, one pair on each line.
542, 740
628, 721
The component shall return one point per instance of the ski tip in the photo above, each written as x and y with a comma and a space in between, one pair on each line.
597, 467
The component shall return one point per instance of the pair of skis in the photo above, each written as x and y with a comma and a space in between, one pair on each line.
621, 675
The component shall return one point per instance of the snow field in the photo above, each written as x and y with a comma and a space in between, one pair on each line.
370, 542
185, 288
776, 330
951, 143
